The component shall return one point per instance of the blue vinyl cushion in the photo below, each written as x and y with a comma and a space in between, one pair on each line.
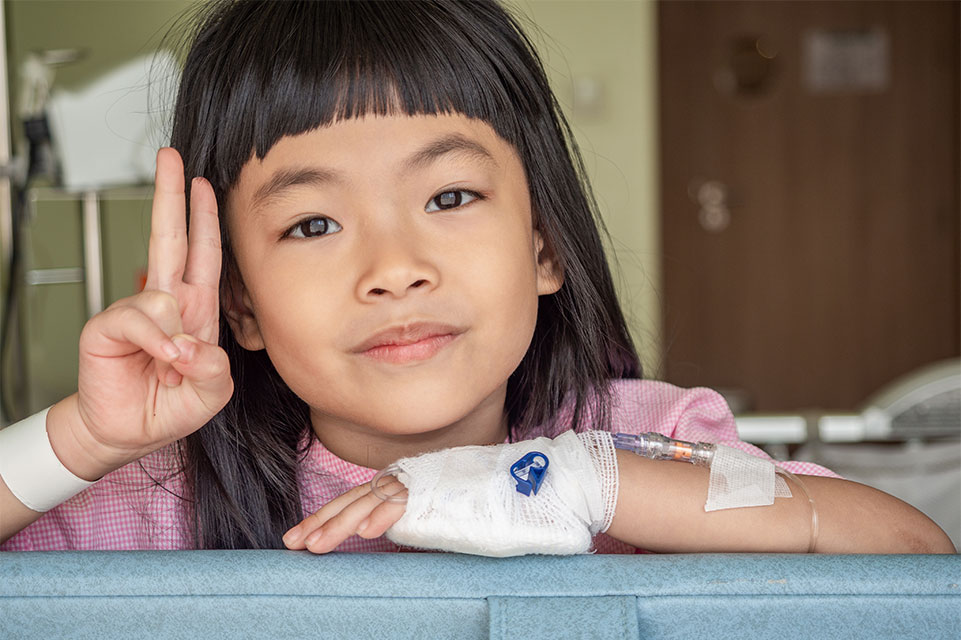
284, 594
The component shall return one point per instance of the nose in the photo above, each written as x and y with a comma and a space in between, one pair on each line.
397, 264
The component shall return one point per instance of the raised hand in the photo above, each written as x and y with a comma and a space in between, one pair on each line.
150, 368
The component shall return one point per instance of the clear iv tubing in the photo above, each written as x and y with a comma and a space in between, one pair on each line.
814, 511
656, 446
389, 470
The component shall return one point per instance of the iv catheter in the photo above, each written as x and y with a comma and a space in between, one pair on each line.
651, 445
656, 446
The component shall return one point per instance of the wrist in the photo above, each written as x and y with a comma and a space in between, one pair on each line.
31, 469
75, 446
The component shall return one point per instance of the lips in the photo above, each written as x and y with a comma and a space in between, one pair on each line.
406, 342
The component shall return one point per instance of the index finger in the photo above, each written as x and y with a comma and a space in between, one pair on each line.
353, 519
351, 506
168, 223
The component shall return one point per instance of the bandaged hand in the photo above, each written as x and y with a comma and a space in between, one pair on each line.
465, 499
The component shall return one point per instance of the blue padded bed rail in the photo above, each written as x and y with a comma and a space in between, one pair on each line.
284, 594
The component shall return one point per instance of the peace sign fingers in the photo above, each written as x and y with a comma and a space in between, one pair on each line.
168, 224
204, 256
188, 268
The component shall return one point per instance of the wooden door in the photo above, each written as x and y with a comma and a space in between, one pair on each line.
810, 196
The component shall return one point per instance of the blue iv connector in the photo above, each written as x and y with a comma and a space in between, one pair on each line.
528, 472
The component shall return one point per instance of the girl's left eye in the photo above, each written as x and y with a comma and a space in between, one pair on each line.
313, 228
451, 200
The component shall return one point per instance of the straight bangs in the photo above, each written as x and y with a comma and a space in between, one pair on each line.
331, 61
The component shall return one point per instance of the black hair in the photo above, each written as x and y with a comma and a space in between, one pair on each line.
261, 70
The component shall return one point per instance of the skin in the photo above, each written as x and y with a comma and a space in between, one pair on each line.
151, 371
391, 259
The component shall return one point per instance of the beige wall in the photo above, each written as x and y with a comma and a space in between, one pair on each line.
611, 44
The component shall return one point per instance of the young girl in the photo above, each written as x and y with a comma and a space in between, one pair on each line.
391, 251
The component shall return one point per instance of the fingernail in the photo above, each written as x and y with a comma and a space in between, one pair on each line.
171, 350
363, 525
172, 379
291, 536
186, 347
315, 537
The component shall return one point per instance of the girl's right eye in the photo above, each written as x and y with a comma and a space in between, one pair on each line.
313, 228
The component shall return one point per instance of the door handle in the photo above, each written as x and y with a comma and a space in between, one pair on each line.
711, 198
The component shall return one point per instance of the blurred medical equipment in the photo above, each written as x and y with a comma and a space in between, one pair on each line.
83, 141
906, 441
36, 160
107, 133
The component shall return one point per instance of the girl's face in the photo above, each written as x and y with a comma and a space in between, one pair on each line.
391, 271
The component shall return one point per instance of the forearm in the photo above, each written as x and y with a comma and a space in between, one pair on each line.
660, 507
14, 515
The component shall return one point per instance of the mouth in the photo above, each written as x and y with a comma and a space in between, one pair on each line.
409, 343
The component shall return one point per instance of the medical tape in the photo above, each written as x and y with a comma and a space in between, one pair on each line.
31, 470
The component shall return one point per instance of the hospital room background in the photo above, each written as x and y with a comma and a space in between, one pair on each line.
780, 182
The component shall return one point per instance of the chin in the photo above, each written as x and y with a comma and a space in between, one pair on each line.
403, 424
412, 410
407, 417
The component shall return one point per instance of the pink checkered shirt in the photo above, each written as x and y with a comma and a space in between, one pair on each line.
128, 510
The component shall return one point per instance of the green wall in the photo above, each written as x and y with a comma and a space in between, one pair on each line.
109, 33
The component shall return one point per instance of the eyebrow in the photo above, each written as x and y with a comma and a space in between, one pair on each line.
453, 143
287, 178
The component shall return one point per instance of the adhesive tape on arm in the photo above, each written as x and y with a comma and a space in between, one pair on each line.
30, 468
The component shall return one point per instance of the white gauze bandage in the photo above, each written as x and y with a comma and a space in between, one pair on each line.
465, 499
739, 479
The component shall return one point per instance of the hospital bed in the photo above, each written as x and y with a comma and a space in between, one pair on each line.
286, 594
905, 440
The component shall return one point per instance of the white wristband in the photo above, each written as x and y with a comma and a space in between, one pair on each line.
30, 468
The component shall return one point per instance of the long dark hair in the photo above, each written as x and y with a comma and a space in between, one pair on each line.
260, 70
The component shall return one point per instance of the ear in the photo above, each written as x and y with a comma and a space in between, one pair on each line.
550, 276
241, 318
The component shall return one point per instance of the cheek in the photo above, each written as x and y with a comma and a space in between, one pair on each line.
298, 334
295, 305
508, 282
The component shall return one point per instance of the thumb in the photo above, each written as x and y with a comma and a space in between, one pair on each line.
206, 368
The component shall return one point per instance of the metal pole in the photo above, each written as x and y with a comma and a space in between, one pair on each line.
92, 260
6, 204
